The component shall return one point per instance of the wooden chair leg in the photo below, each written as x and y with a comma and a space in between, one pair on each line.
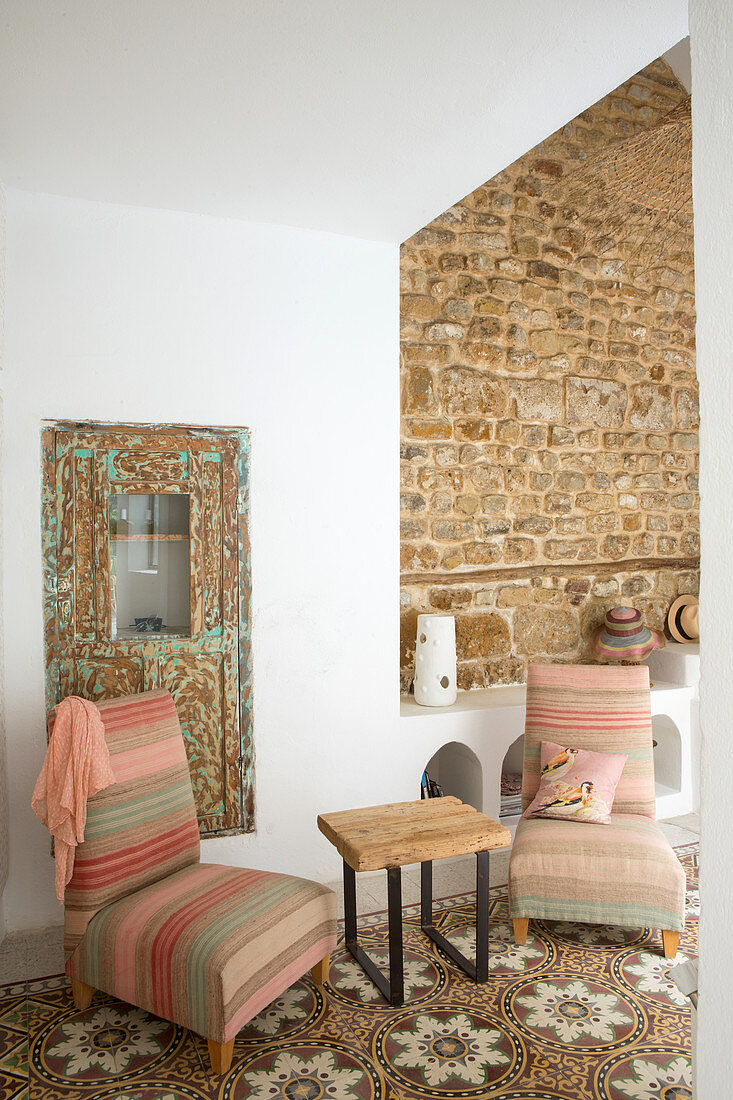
220, 1055
671, 941
82, 994
319, 972
521, 926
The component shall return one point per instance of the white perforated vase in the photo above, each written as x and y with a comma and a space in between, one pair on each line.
435, 660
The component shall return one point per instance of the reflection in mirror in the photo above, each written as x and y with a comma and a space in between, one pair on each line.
150, 564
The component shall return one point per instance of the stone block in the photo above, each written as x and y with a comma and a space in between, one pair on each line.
560, 549
616, 546
687, 409
490, 305
595, 502
412, 529
483, 553
432, 429
452, 530
543, 341
447, 599
519, 551
412, 502
545, 272
514, 595
486, 477
464, 390
482, 353
595, 401
444, 333
540, 631
558, 503
651, 407
533, 525
537, 400
419, 307
481, 634
477, 429
414, 558
570, 481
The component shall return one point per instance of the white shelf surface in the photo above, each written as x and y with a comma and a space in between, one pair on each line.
488, 721
506, 696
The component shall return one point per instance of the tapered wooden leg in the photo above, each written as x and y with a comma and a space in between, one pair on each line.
220, 1055
319, 972
670, 941
82, 994
521, 926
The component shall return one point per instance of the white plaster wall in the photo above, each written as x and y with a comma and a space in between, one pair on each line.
116, 313
711, 36
4, 816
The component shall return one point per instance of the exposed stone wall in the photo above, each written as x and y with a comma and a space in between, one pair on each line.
549, 397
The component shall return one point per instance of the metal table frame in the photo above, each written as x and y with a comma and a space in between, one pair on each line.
392, 988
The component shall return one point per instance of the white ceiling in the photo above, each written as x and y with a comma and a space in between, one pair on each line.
362, 117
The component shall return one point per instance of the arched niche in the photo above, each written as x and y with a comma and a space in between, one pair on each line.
458, 771
667, 755
510, 801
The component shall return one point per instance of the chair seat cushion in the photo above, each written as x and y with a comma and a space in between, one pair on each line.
209, 946
623, 873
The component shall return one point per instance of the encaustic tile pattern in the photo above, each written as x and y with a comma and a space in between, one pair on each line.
579, 1012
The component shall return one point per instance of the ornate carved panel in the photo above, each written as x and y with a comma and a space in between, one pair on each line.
148, 465
207, 668
107, 677
196, 683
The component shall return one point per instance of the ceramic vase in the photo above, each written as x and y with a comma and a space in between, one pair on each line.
435, 661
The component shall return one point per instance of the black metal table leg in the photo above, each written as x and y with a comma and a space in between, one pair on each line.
482, 916
394, 912
480, 970
392, 988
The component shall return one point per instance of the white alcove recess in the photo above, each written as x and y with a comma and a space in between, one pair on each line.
491, 720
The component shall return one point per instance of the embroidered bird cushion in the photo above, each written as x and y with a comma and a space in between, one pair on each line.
576, 784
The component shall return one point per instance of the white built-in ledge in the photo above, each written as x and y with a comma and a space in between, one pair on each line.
490, 720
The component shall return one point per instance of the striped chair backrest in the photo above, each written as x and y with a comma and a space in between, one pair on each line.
143, 827
604, 708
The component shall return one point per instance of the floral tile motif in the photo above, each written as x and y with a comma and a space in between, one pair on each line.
424, 977
505, 956
579, 1013
601, 936
649, 975
309, 1071
443, 1051
646, 1075
293, 1012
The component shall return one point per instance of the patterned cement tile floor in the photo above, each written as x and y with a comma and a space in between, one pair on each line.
578, 1013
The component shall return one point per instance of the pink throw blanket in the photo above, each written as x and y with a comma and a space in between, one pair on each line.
76, 766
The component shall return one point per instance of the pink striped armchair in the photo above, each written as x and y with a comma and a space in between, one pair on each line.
624, 873
202, 945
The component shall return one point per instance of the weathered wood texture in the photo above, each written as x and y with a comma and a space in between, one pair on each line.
375, 837
209, 672
522, 572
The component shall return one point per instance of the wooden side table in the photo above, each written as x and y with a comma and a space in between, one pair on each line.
390, 836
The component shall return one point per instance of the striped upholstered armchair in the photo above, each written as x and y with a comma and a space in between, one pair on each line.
624, 873
202, 945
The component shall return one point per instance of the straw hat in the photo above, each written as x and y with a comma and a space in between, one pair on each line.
623, 637
682, 619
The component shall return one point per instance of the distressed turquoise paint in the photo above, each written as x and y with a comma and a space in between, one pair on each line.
83, 452
57, 442
112, 455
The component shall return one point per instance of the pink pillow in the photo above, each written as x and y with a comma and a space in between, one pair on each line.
576, 784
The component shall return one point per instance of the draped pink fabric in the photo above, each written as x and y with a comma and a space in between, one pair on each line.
76, 766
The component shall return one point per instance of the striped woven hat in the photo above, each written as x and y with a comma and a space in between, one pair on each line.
623, 637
